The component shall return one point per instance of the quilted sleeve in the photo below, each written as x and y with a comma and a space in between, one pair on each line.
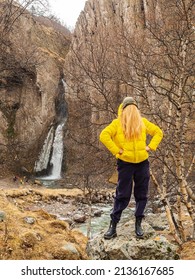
155, 132
107, 135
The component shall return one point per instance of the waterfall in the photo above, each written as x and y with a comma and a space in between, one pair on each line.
57, 154
49, 163
51, 155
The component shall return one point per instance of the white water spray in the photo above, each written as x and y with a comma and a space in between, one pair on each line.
57, 154
42, 162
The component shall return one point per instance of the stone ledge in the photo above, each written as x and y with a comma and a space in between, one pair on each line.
127, 247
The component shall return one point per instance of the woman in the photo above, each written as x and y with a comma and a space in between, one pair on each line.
125, 138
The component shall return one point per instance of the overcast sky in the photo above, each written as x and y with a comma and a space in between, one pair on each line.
67, 10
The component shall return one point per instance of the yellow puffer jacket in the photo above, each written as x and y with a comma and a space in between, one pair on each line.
134, 151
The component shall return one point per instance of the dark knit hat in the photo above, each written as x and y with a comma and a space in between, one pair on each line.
128, 101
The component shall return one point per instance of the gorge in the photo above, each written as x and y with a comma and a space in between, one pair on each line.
59, 89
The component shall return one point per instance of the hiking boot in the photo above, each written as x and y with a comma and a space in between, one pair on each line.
111, 233
138, 229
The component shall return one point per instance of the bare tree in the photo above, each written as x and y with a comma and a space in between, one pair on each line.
15, 54
18, 60
161, 72
93, 96
157, 66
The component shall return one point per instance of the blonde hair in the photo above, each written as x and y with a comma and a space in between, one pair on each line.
132, 123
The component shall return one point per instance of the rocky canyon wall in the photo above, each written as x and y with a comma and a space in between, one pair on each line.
39, 59
127, 47
95, 89
31, 86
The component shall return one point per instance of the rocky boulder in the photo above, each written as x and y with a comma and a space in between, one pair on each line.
127, 247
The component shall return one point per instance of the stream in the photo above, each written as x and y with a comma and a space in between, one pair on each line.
98, 223
101, 223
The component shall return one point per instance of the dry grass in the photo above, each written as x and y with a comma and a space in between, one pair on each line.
47, 238
44, 238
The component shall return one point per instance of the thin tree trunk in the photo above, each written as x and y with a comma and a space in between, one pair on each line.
180, 219
169, 213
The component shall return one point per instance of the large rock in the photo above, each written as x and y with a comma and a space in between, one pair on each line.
127, 247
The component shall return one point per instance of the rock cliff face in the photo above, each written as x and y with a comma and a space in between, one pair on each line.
31, 86
105, 64
110, 12
94, 91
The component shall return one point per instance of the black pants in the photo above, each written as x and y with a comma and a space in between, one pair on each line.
127, 174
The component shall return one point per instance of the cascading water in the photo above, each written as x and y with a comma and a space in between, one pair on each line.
42, 163
57, 154
49, 164
51, 155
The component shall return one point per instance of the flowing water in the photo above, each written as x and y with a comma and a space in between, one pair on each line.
52, 154
42, 162
57, 154
102, 223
